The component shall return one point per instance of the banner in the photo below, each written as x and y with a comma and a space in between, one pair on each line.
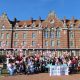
59, 70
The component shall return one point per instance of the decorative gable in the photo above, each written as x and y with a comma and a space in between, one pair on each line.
51, 16
4, 22
52, 21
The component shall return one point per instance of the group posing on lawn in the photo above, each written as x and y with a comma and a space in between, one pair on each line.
37, 63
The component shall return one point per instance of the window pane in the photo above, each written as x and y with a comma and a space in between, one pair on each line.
15, 43
1, 36
46, 34
51, 34
58, 42
7, 36
24, 35
33, 35
46, 43
7, 43
33, 43
52, 43
16, 36
71, 35
71, 43
24, 43
58, 33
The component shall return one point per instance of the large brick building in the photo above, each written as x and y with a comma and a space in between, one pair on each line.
40, 35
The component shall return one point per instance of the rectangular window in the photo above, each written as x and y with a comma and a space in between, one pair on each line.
15, 43
46, 34
58, 33
1, 36
23, 43
71, 43
33, 35
16, 36
24, 35
52, 43
58, 42
7, 43
51, 34
33, 43
46, 43
7, 36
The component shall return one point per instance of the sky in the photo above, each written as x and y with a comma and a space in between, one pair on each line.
25, 9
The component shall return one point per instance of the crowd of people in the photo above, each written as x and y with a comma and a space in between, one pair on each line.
38, 63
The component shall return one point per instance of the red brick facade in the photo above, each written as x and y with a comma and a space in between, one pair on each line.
36, 34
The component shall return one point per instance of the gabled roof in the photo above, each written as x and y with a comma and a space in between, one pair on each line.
4, 21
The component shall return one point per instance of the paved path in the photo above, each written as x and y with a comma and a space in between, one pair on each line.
41, 76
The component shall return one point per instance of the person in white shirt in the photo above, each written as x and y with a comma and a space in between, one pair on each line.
10, 68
